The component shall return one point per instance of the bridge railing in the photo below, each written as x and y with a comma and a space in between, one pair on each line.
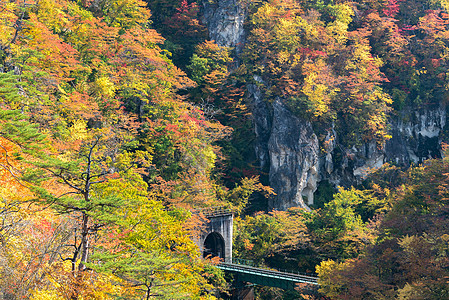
251, 263
245, 262
271, 277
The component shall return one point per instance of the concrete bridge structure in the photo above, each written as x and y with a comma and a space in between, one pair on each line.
216, 241
216, 238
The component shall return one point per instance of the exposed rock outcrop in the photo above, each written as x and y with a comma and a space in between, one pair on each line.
416, 136
224, 20
287, 148
262, 120
296, 164
293, 149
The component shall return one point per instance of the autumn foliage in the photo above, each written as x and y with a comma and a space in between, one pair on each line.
117, 121
97, 152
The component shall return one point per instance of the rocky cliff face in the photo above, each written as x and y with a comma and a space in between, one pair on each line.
262, 120
416, 135
224, 20
287, 147
293, 152
297, 165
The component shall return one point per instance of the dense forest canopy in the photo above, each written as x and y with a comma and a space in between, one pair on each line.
119, 118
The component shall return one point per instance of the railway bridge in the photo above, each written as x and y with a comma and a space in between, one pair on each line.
216, 241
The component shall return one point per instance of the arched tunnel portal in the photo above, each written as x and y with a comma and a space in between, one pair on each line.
214, 245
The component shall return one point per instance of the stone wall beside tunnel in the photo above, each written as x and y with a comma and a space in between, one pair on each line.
216, 238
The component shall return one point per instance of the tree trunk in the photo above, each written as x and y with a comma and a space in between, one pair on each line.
84, 242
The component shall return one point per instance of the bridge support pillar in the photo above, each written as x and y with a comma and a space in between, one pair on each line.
243, 293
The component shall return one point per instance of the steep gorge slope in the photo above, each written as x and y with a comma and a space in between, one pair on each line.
299, 153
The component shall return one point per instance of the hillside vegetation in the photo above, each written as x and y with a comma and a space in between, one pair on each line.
119, 118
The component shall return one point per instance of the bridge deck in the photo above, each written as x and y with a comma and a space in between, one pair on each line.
269, 277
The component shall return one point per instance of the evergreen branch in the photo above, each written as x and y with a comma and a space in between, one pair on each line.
64, 179
66, 194
9, 167
44, 208
93, 176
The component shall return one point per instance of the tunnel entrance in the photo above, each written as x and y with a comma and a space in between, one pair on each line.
214, 245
